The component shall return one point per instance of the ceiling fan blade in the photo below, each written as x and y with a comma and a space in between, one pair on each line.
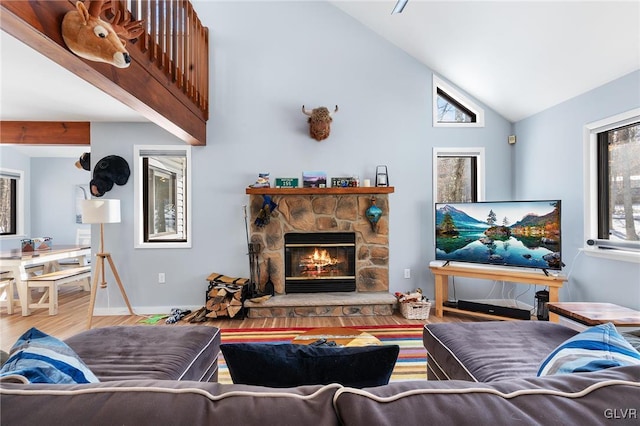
399, 7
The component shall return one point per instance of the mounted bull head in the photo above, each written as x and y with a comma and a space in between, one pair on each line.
319, 122
92, 38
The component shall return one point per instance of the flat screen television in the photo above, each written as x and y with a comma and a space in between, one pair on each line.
508, 233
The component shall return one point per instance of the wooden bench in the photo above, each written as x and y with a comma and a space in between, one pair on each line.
51, 282
7, 288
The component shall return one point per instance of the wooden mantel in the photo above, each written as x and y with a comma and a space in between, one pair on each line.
321, 191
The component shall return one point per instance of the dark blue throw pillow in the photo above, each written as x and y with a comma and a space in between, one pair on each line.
289, 365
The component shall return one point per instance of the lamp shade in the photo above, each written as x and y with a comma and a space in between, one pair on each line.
100, 211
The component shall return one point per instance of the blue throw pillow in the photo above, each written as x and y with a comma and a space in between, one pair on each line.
290, 365
37, 357
596, 348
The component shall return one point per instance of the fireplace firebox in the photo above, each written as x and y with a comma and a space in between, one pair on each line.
320, 262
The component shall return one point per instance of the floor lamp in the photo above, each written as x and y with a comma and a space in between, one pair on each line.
102, 211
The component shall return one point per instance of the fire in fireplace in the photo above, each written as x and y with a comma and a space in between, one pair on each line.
320, 262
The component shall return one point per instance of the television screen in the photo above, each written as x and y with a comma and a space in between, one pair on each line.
508, 233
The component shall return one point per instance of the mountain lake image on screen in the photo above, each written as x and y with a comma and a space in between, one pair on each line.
508, 233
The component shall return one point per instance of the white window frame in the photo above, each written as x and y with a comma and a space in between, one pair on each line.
590, 138
458, 96
138, 226
478, 153
19, 176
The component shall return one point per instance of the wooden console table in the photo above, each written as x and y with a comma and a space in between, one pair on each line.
442, 274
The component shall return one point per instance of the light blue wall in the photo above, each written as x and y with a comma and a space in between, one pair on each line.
267, 59
12, 159
49, 196
549, 164
53, 198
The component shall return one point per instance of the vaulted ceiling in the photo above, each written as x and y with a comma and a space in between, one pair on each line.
516, 57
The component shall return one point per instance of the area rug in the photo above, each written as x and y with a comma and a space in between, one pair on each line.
412, 359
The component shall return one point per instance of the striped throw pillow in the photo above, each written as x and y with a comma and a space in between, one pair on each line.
37, 357
596, 348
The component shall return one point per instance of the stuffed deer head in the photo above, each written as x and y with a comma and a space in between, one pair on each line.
90, 37
319, 122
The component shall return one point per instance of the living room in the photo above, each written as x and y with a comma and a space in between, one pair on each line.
267, 60
256, 126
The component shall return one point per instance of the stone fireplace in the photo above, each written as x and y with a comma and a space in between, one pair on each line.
330, 213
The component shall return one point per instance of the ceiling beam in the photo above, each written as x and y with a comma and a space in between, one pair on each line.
37, 24
45, 132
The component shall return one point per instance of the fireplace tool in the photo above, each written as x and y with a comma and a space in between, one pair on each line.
253, 252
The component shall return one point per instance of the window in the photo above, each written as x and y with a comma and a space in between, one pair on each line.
458, 175
612, 197
452, 109
11, 203
162, 200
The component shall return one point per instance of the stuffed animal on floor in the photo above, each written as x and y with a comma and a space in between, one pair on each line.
84, 162
89, 36
109, 170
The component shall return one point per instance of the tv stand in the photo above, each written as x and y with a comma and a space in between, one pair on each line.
443, 272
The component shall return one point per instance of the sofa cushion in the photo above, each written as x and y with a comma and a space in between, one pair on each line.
37, 357
490, 350
633, 337
596, 348
162, 352
604, 397
166, 402
288, 365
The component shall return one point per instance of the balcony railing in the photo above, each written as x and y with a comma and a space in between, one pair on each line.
176, 42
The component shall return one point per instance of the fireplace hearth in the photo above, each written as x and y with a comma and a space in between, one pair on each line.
320, 262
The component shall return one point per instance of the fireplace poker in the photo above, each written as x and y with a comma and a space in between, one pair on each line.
253, 250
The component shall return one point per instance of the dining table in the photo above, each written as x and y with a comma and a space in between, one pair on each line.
17, 263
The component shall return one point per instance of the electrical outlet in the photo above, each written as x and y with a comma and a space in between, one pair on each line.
407, 273
161, 278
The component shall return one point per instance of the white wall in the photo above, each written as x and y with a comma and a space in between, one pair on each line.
548, 164
267, 59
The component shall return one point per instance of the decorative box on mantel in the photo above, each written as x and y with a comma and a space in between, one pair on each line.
309, 210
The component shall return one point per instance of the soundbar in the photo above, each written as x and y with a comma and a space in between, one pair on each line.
503, 311
608, 244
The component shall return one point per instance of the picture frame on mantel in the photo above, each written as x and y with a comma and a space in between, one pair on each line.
314, 179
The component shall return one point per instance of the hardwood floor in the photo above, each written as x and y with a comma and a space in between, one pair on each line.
74, 304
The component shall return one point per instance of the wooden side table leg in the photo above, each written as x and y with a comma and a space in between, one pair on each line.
553, 297
441, 292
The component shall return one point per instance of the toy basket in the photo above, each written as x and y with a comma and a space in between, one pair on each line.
415, 310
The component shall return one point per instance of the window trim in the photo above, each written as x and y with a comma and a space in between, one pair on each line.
463, 100
139, 240
478, 153
20, 210
590, 183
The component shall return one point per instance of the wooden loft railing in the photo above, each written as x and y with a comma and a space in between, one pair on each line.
176, 42
168, 79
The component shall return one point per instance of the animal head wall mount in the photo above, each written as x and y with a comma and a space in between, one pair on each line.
319, 122
84, 162
109, 170
89, 36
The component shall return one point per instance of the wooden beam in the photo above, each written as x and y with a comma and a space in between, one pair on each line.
45, 132
140, 86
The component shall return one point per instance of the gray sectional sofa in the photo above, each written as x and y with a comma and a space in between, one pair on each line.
174, 395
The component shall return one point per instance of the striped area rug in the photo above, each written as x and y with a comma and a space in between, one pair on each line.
412, 359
